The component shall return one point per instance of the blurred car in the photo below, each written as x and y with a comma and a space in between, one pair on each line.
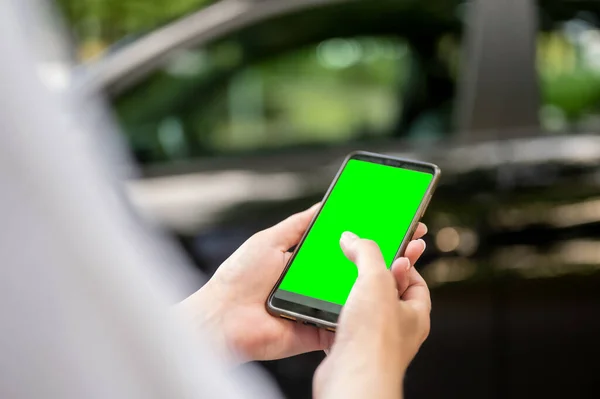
240, 113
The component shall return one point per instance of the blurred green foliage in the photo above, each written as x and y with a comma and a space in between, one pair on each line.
98, 24
328, 92
569, 77
226, 97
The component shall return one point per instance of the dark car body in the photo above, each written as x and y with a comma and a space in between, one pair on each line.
513, 257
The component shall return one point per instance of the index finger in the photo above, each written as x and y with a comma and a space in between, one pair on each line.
420, 231
288, 232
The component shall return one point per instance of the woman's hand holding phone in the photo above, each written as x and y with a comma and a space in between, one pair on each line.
380, 329
232, 304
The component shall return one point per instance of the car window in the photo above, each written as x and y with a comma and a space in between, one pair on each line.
568, 62
333, 91
261, 90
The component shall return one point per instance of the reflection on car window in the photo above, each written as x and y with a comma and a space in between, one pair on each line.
209, 101
569, 70
303, 78
329, 92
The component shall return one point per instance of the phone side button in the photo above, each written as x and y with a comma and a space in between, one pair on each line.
284, 316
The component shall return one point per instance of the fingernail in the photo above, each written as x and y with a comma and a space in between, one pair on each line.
347, 238
318, 204
424, 245
404, 263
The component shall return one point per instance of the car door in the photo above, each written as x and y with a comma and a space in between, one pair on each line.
270, 107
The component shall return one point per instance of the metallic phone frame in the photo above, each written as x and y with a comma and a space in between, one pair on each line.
294, 316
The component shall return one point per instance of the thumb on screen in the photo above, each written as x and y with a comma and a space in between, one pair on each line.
365, 254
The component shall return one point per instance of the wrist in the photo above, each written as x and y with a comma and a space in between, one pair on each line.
359, 370
351, 380
204, 313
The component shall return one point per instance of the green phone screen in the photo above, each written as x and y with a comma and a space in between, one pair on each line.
372, 200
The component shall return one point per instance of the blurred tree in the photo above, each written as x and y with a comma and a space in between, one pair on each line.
569, 74
99, 24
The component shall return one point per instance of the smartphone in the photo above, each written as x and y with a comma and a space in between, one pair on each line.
374, 196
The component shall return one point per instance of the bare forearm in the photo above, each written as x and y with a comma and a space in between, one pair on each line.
370, 377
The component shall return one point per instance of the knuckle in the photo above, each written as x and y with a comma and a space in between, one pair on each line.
423, 323
426, 329
415, 323
257, 237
